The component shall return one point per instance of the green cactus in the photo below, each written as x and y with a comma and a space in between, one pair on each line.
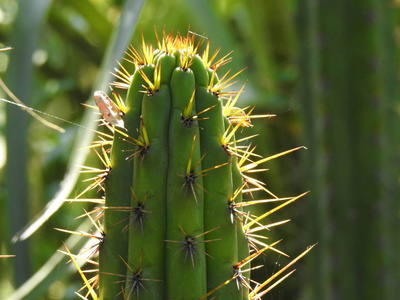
175, 178
350, 106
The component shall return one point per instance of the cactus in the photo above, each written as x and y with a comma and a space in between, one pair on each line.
349, 103
175, 180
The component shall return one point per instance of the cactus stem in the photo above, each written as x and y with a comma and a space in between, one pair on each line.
190, 184
205, 110
173, 147
189, 244
143, 142
137, 213
190, 176
187, 118
218, 287
189, 165
137, 217
133, 283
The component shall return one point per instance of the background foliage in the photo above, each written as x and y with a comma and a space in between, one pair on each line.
328, 69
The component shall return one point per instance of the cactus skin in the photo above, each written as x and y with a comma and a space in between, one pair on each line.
118, 194
173, 183
187, 228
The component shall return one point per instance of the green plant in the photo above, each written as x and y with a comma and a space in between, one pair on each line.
350, 107
176, 182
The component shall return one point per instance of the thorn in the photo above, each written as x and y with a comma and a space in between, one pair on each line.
190, 244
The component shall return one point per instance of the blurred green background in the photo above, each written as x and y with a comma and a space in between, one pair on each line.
328, 69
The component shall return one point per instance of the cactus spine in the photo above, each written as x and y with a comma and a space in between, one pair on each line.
174, 183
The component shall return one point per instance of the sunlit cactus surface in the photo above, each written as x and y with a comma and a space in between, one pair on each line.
177, 182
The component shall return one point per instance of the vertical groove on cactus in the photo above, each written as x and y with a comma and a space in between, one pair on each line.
176, 182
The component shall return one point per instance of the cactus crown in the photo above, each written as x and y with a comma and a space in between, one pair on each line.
177, 181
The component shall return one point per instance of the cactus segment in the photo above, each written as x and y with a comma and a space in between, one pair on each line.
174, 227
184, 197
118, 193
200, 71
146, 242
219, 188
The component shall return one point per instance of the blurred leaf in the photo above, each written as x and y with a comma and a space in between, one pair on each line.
25, 36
